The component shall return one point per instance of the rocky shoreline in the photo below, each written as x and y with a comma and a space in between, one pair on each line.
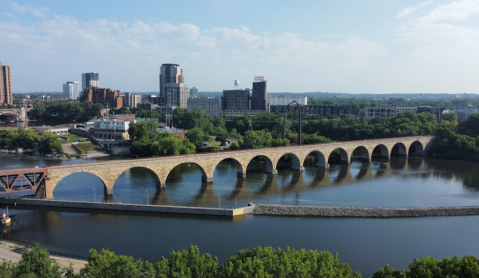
362, 212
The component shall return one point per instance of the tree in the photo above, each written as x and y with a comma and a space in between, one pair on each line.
28, 138
470, 126
142, 129
50, 144
35, 262
189, 264
269, 262
107, 264
196, 136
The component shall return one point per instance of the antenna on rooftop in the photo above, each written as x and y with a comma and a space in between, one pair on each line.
236, 83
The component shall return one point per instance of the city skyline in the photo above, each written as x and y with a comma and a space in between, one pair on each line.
340, 47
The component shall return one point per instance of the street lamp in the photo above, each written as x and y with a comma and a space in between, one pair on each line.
147, 196
299, 120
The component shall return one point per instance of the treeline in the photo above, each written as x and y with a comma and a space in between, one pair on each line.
29, 139
258, 262
147, 141
457, 141
60, 112
358, 102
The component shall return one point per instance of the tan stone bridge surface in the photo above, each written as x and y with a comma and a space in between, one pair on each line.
109, 171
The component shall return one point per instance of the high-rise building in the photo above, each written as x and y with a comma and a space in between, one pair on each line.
259, 98
90, 79
169, 73
193, 92
5, 85
177, 94
70, 90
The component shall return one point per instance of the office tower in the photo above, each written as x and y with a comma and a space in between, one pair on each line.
90, 79
193, 92
177, 94
259, 98
169, 73
5, 85
70, 90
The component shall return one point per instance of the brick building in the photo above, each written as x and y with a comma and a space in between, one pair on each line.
103, 96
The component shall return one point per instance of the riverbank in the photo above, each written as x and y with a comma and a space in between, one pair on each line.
363, 212
10, 251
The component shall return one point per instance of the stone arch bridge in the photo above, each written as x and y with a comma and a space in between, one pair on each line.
109, 171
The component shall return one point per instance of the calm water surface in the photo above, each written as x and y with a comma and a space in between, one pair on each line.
365, 244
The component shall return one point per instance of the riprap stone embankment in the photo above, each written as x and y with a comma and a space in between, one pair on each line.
363, 212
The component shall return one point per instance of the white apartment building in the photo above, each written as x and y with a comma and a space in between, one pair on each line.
70, 90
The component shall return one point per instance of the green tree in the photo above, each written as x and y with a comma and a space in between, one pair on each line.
189, 264
35, 262
28, 138
196, 136
50, 144
108, 264
269, 262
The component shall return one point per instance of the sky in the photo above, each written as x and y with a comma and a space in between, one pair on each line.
341, 46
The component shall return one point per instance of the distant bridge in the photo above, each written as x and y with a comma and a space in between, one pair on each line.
109, 171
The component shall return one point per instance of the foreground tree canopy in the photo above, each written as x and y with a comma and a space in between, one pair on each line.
258, 262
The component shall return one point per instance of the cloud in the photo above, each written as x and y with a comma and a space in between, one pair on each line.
442, 26
209, 56
455, 11
38, 12
410, 10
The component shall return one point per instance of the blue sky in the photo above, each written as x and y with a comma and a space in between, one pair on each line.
349, 46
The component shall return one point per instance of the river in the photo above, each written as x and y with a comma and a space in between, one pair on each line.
365, 244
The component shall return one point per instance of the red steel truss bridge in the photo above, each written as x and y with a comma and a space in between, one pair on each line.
21, 180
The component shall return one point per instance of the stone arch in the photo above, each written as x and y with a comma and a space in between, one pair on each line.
206, 177
155, 174
400, 149
297, 164
381, 150
320, 158
269, 164
363, 152
240, 168
416, 148
52, 183
344, 159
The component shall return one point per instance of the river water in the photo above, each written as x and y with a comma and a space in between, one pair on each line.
365, 244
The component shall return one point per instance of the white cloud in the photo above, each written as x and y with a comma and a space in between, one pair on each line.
455, 11
38, 12
442, 26
410, 10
